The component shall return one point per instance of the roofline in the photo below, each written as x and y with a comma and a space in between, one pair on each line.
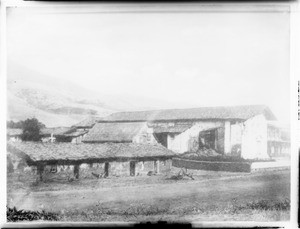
97, 160
190, 108
172, 120
106, 141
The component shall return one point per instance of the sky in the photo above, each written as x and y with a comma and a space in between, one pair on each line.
197, 59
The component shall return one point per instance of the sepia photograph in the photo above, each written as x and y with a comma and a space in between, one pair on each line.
132, 113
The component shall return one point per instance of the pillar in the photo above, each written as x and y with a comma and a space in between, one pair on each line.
106, 169
227, 138
143, 166
169, 164
156, 166
76, 171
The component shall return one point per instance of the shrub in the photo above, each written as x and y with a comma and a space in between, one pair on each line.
14, 215
280, 205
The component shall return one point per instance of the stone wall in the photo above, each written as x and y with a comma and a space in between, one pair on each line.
86, 171
213, 166
189, 139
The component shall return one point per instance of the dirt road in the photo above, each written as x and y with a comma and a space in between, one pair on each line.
271, 185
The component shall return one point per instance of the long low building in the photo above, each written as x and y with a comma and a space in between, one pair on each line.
54, 154
233, 130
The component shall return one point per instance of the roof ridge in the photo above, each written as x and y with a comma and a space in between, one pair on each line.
192, 108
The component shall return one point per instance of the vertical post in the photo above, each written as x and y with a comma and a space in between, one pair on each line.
106, 169
143, 166
40, 171
168, 164
227, 138
132, 168
156, 166
76, 171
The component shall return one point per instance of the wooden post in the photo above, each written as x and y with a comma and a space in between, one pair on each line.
76, 171
40, 170
106, 169
156, 166
132, 168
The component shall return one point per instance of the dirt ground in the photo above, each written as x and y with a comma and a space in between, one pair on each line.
212, 196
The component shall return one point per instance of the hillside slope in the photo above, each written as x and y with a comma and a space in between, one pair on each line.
57, 102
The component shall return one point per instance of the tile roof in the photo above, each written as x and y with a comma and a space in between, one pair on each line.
53, 152
54, 131
115, 132
171, 129
75, 133
88, 122
202, 113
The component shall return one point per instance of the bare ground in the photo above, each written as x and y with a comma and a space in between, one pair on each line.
212, 196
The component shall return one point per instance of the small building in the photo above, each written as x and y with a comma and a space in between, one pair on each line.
232, 130
107, 158
120, 132
50, 134
278, 140
14, 135
73, 135
87, 123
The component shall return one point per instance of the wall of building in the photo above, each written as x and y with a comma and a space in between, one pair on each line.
145, 137
189, 139
78, 139
86, 171
236, 138
254, 138
14, 139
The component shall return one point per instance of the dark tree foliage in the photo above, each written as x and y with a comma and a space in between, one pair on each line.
14, 125
14, 215
31, 130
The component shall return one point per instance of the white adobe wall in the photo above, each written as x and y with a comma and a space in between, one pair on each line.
187, 140
145, 136
14, 139
254, 138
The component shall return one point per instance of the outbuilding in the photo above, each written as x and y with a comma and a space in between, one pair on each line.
107, 158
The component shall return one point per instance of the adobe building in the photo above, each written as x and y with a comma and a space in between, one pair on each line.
233, 130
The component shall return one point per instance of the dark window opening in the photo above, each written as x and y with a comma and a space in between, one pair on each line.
132, 168
106, 169
162, 138
208, 139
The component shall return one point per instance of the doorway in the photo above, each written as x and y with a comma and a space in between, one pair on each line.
132, 168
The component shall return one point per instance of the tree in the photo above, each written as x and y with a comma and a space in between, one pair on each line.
31, 130
14, 125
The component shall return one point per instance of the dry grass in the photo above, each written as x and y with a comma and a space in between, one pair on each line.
263, 210
252, 197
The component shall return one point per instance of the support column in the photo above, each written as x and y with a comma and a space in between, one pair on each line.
106, 169
76, 171
227, 138
143, 166
40, 171
169, 164
156, 166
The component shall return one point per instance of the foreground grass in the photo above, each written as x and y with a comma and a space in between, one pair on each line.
14, 215
261, 210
